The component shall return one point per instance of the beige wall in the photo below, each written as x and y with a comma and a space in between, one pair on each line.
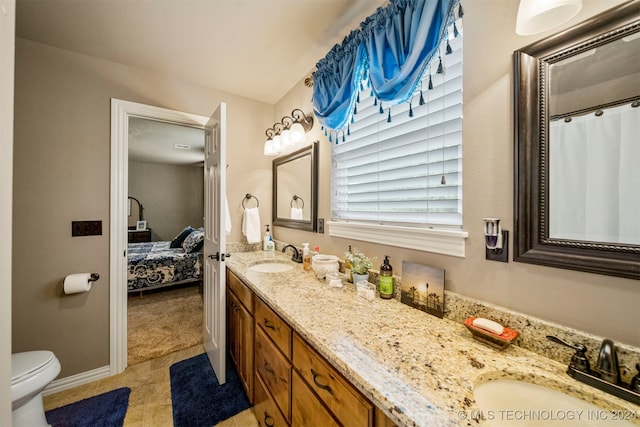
597, 304
7, 31
62, 173
172, 196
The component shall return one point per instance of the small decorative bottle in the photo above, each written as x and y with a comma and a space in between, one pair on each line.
385, 279
347, 266
306, 257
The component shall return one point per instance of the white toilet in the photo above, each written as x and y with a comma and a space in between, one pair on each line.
31, 372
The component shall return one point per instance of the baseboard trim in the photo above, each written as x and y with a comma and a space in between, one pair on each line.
76, 380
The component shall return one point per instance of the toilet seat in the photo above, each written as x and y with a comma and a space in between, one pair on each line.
27, 364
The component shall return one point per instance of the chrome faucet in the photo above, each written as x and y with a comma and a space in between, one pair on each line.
297, 255
606, 375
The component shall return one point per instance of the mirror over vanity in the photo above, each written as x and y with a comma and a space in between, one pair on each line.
577, 127
295, 189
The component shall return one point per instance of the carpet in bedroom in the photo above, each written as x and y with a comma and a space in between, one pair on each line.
163, 321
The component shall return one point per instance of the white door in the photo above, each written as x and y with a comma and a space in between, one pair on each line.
215, 183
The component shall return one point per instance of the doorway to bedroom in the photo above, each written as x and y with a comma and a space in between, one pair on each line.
164, 248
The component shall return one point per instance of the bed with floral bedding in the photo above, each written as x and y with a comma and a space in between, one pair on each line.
159, 264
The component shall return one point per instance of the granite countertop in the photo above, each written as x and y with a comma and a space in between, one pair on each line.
418, 369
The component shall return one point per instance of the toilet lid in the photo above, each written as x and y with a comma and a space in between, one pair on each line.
26, 363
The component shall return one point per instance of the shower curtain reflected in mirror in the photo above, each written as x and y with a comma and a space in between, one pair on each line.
594, 176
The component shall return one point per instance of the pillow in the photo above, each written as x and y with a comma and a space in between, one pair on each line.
194, 242
179, 239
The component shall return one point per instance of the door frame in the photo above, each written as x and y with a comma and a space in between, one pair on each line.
121, 111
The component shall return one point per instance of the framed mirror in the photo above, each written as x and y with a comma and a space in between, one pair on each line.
295, 189
577, 116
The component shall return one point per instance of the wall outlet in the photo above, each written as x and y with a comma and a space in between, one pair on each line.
501, 255
321, 225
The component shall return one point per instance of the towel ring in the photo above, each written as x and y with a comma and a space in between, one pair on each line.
250, 196
296, 198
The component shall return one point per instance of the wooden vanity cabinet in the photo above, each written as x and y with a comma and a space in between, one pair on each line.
240, 330
288, 382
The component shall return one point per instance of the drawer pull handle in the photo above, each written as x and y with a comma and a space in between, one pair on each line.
322, 386
268, 421
268, 325
269, 369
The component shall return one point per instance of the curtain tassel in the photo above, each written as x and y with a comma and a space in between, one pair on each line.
343, 138
389, 116
325, 132
460, 11
375, 101
355, 110
440, 68
358, 98
353, 118
371, 93
455, 30
348, 130
381, 109
430, 83
361, 88
331, 137
410, 110
443, 180
449, 50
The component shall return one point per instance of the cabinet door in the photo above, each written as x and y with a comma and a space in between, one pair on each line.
307, 410
240, 339
245, 351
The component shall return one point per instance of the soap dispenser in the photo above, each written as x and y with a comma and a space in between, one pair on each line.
385, 279
268, 244
306, 257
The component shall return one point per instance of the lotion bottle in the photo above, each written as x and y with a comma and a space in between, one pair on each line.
267, 237
385, 279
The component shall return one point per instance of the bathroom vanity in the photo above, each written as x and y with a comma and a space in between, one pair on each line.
322, 355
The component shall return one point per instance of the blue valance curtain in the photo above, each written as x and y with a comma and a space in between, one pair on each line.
391, 49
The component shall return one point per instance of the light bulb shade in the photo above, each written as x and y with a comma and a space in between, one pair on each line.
537, 16
268, 148
285, 139
298, 135
277, 144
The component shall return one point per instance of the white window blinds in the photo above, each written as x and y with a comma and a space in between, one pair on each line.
407, 171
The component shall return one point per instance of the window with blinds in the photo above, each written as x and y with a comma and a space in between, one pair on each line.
406, 171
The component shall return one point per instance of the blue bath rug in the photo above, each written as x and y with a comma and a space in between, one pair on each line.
104, 410
197, 397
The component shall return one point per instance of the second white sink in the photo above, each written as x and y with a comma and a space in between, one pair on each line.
517, 403
271, 267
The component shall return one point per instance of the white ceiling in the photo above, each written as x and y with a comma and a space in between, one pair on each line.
255, 48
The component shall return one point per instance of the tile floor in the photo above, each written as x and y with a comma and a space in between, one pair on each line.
150, 399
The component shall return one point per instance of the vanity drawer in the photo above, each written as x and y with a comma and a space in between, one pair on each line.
274, 370
342, 399
276, 328
265, 409
241, 290
307, 409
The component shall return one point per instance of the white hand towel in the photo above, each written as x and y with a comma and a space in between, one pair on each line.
251, 225
227, 216
296, 213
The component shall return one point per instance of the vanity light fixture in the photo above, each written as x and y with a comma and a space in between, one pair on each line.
288, 134
537, 16
496, 240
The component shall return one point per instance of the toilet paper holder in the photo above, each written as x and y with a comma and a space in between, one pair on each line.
94, 277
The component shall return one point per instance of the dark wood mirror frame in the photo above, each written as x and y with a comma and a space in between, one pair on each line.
312, 223
531, 237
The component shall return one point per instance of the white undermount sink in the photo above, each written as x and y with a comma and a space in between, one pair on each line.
507, 402
271, 267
